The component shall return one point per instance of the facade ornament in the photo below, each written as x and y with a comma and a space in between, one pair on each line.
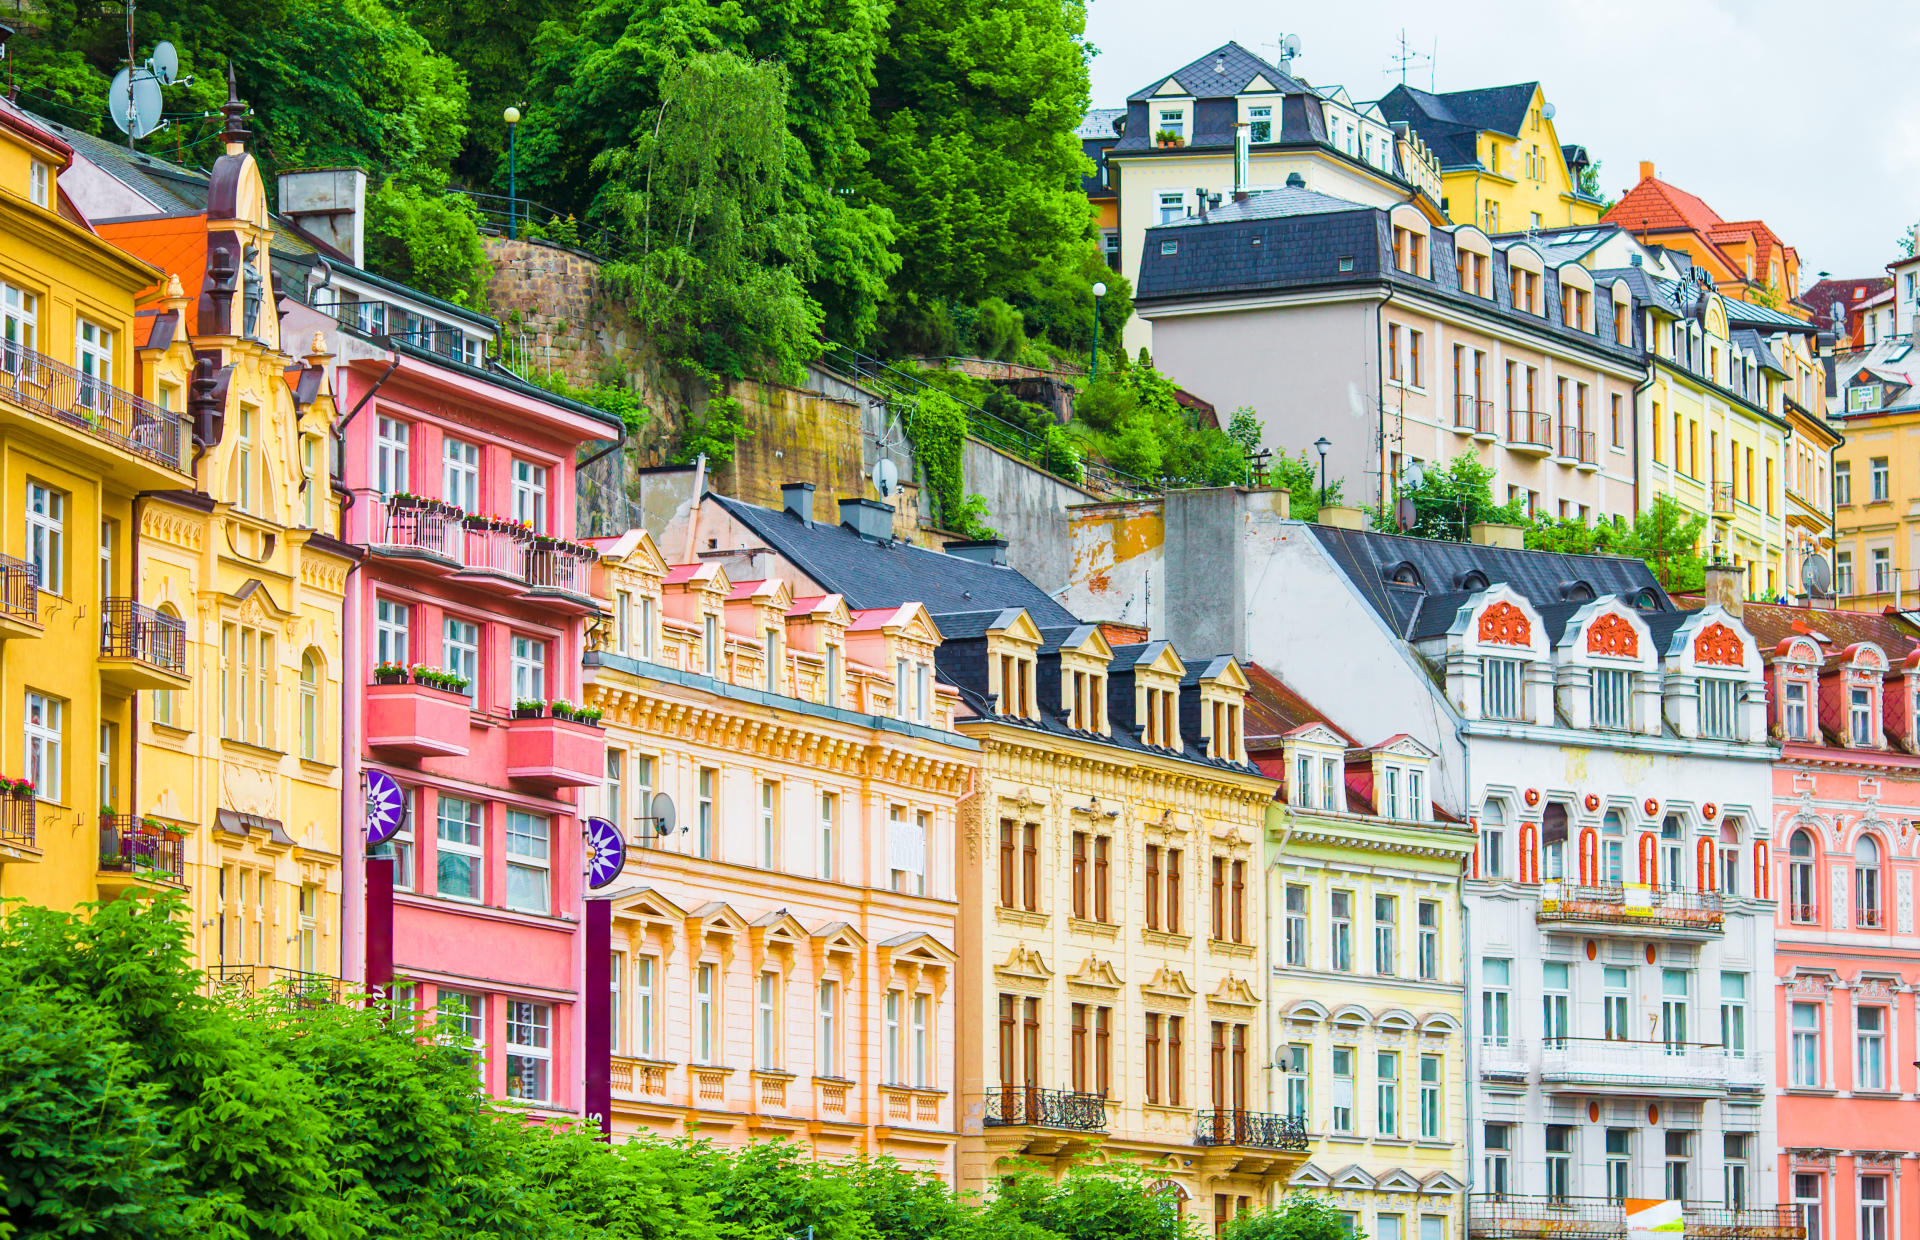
1718, 646
1613, 635
1503, 624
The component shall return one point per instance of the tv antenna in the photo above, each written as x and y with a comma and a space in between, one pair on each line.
1289, 48
134, 100
1407, 58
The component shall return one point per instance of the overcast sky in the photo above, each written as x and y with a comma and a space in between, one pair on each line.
1805, 116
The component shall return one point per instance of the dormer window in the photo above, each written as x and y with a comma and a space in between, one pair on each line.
1016, 695
1613, 698
1173, 123
39, 184
1500, 682
1620, 332
1409, 251
1085, 694
1163, 730
1860, 717
1403, 793
1260, 123
1794, 718
1224, 742
1718, 699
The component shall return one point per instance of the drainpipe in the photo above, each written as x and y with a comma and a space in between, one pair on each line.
1380, 386
1466, 980
339, 431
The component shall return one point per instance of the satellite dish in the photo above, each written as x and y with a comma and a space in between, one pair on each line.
135, 108
886, 477
1413, 475
1816, 574
606, 853
1290, 46
1546, 110
165, 63
662, 813
1405, 514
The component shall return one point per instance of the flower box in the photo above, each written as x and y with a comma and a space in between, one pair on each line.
556, 753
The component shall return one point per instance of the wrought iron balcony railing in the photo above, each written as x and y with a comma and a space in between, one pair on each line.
1251, 1128
19, 589
130, 630
1577, 445
1511, 1216
17, 816
127, 847
1529, 428
1472, 414
1683, 1065
294, 989
556, 568
1012, 1106
88, 404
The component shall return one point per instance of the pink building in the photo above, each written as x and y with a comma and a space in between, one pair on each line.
466, 626
1843, 698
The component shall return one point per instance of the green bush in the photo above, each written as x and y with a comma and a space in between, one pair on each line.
429, 240
1001, 331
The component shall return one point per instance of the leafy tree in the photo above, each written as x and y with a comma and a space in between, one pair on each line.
1300, 476
937, 428
1244, 429
428, 240
1666, 536
1299, 1217
1449, 501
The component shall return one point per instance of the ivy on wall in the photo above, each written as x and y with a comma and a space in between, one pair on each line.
937, 428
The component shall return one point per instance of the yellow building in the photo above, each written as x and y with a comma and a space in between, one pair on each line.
1502, 166
82, 433
1876, 472
239, 757
783, 959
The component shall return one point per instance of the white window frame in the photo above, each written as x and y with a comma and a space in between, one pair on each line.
93, 358
646, 1004
460, 473
40, 185
460, 651
529, 666
530, 494
19, 329
1870, 1048
469, 842
1613, 698
1719, 708
391, 621
769, 849
705, 817
529, 852
1503, 688
1496, 1001
391, 444
706, 999
767, 1021
529, 1041
45, 726
47, 535
827, 1036
829, 832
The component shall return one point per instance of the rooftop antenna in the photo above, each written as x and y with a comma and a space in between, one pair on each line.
133, 100
1407, 57
1289, 48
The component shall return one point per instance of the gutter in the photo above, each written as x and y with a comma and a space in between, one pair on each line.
1380, 380
339, 434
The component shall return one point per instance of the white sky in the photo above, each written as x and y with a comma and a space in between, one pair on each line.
1805, 116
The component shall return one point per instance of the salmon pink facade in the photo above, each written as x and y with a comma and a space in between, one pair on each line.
1843, 690
467, 623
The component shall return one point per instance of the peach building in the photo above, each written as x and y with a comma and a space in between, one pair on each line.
1843, 698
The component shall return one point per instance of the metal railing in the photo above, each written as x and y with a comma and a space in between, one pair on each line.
1470, 413
1515, 1217
1012, 1106
556, 568
384, 318
90, 405
1251, 1128
1530, 427
126, 847
1868, 919
1804, 914
1578, 445
130, 630
17, 816
294, 989
1723, 499
415, 525
487, 549
1748, 1223
19, 589
1683, 1064
500, 214
1638, 904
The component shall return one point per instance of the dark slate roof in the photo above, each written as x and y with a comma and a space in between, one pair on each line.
869, 574
1564, 245
1098, 123
1270, 204
1222, 73
1750, 340
1426, 610
1450, 123
1746, 314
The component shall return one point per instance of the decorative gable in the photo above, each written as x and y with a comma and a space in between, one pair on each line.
1169, 986
1719, 646
1096, 973
1233, 992
1612, 635
1503, 624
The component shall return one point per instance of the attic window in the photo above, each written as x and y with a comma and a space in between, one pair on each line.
1163, 730
1577, 592
1224, 743
1405, 574
1169, 247
1647, 600
1346, 262
1086, 700
1473, 580
1016, 686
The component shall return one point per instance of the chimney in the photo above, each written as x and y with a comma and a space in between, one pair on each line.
1727, 586
331, 204
1646, 170
870, 519
981, 551
1242, 158
1489, 534
796, 500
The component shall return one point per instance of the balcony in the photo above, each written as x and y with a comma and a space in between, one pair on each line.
17, 815
638, 1080
494, 552
560, 573
1678, 914
556, 753
84, 405
424, 531
1028, 1106
1474, 417
1577, 447
1251, 1128
140, 648
1509, 1217
135, 854
1605, 1065
290, 990
907, 1105
1706, 1222
1503, 1058
1723, 500
417, 721
19, 599
1529, 431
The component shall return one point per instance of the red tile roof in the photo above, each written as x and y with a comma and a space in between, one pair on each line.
1654, 204
176, 244
1273, 710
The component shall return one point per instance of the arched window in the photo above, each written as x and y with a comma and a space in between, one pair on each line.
1673, 852
1553, 842
1866, 882
1613, 849
1493, 840
1800, 885
1730, 857
310, 706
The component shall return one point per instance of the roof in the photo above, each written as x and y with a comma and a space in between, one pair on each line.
1750, 340
1773, 623
1564, 245
870, 574
1098, 123
1225, 71
1656, 205
1268, 204
1545, 578
169, 187
173, 243
1747, 314
1450, 124
1273, 710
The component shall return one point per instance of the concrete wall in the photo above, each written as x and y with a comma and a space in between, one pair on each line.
1027, 506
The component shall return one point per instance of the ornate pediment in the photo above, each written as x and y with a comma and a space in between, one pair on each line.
1023, 964
1168, 983
1097, 973
1233, 992
1503, 624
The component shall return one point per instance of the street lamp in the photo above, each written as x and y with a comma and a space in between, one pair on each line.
1322, 444
512, 117
1099, 291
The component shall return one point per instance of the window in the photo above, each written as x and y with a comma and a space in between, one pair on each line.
1718, 696
703, 823
1172, 206
1866, 883
1673, 852
530, 495
1500, 688
1801, 889
1612, 698
1882, 569
529, 866
460, 653
93, 357
1795, 694
890, 1038
247, 667
1430, 1099
244, 457
400, 845
1342, 1089
827, 1036
1733, 1014
646, 627
1229, 900
1806, 1195
769, 843
1877, 479
1386, 1081
1294, 1061
705, 1024
907, 857
529, 1051
390, 455
18, 321
710, 644
528, 664
460, 1019
1260, 126
1497, 1142
1555, 1000
1679, 1163
1342, 932
1493, 840
458, 863
774, 662
310, 481
1676, 986
1433, 1227
1612, 848
40, 184
1429, 949
1616, 423
1873, 1208
1805, 1048
460, 474
107, 748
390, 632
1496, 975
1619, 1163
46, 536
767, 1021
1296, 926
1843, 572
829, 845
1559, 1161
310, 706
1090, 1049
1386, 935
1870, 1048
922, 1040
1842, 482
646, 1000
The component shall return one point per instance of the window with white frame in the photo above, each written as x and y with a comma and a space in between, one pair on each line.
1860, 717
39, 183
1493, 840
1736, 1157
1386, 1082
1496, 999
827, 1036
245, 453
890, 1038
1340, 905
1718, 697
646, 1005
390, 631
1294, 1066
1807, 1197
1559, 1161
774, 661
1619, 1163
769, 842
921, 1045
400, 843
460, 474
529, 863
1500, 681
1386, 935
93, 357
1430, 1097
767, 1022
1804, 1026
528, 663
1296, 926
706, 788
706, 1024
710, 644
1302, 790
1733, 1014
1556, 1002
1794, 694
1870, 1048
829, 841
646, 627
1342, 1089
460, 651
47, 535
529, 1051
1866, 883
1172, 206
310, 706
19, 324
1331, 785
1873, 1208
1497, 1147
459, 864
460, 1020
390, 436
530, 495
1429, 947
45, 724
1612, 698
907, 851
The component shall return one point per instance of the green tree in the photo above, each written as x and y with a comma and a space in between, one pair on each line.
1666, 536
428, 240
1299, 1216
1300, 477
1448, 501
937, 428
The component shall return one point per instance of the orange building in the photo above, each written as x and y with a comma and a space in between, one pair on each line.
1746, 258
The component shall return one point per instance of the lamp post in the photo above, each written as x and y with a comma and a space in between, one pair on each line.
512, 117
1322, 444
1099, 291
